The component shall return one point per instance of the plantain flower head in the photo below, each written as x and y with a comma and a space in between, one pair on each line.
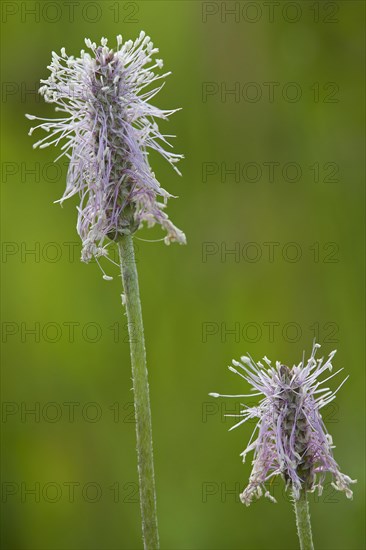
292, 440
107, 129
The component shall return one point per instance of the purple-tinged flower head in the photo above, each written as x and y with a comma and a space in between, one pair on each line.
107, 131
292, 440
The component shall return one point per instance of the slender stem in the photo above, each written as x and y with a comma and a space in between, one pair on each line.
303, 522
144, 444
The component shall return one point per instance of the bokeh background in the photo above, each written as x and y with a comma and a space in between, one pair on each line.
69, 468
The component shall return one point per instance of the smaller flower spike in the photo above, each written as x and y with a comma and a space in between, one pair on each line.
108, 128
292, 440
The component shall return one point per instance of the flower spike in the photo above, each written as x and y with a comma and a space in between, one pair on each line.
292, 440
108, 128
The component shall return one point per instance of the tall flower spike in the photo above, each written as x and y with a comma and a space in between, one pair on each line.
292, 440
108, 128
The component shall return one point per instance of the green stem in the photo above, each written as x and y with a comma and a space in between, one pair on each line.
303, 522
144, 444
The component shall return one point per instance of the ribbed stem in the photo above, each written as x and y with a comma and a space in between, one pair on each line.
303, 522
144, 444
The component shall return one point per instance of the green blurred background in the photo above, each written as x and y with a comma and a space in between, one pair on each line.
77, 450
